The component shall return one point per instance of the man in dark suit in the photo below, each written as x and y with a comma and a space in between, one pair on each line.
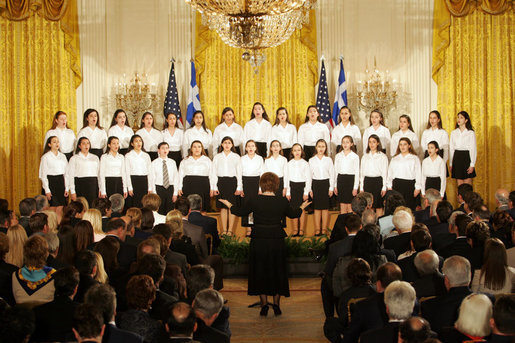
5, 221
38, 223
358, 206
431, 281
431, 198
460, 246
209, 224
503, 328
117, 228
181, 324
117, 205
195, 232
6, 271
86, 263
463, 189
54, 319
399, 298
371, 313
420, 240
104, 206
441, 225
27, 208
207, 305
53, 249
171, 257
103, 297
402, 221
417, 329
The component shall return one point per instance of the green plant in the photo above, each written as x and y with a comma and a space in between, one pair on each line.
234, 249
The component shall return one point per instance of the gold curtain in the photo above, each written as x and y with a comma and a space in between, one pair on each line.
39, 72
474, 67
287, 77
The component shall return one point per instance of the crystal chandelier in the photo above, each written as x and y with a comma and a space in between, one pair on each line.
253, 25
377, 91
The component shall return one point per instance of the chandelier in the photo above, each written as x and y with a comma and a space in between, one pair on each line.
136, 97
377, 91
253, 25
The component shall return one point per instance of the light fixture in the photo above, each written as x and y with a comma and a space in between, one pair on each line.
377, 91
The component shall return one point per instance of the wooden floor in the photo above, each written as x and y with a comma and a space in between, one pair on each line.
302, 319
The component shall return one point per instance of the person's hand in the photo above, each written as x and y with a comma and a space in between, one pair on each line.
470, 170
131, 193
103, 196
305, 204
74, 196
416, 193
305, 197
150, 192
66, 194
330, 194
225, 202
288, 197
237, 193
450, 169
49, 195
174, 198
383, 193
242, 194
125, 195
179, 192
284, 192
259, 192
354, 192
335, 191
311, 194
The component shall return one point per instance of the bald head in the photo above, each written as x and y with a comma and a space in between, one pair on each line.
181, 323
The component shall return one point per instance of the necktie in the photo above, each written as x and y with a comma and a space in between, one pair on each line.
166, 181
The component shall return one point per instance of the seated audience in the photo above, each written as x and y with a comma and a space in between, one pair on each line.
153, 202
441, 224
6, 271
83, 235
38, 224
41, 203
88, 325
73, 212
109, 249
53, 250
501, 225
402, 221
415, 330
463, 189
358, 206
392, 200
100, 275
461, 246
209, 224
117, 204
477, 234
207, 306
511, 204
420, 240
495, 276
194, 232
473, 202
503, 320
431, 282
52, 219
17, 238
182, 244
502, 197
27, 208
117, 229
95, 218
429, 203
171, 257
369, 216
86, 264
67, 247
182, 323
104, 206
511, 252
147, 223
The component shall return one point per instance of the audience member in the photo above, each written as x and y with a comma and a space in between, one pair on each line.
501, 225
463, 189
420, 240
72, 213
209, 224
431, 282
52, 220
5, 221
53, 250
153, 202
86, 264
194, 232
109, 249
147, 223
460, 246
369, 197
392, 200
88, 325
182, 323
83, 235
414, 330
104, 206
41, 203
38, 224
369, 216
117, 204
495, 276
441, 225
207, 306
358, 206
6, 270
117, 229
429, 203
473, 202
503, 320
477, 234
67, 247
511, 204
17, 324
134, 214
171, 257
101, 275
17, 238
95, 218
502, 197
511, 252
402, 222
27, 208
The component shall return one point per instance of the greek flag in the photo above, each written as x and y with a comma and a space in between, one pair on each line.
340, 98
194, 97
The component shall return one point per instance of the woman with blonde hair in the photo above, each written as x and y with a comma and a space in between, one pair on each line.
17, 236
52, 221
135, 215
95, 218
174, 216
101, 275
84, 203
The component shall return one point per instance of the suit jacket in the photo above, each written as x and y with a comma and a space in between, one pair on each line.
442, 240
461, 247
198, 238
85, 283
51, 261
24, 221
501, 339
140, 323
430, 285
352, 293
338, 232
399, 244
388, 333
176, 258
54, 320
409, 271
126, 255
185, 247
368, 314
511, 211
336, 250
209, 225
438, 229
222, 321
430, 221
209, 334
112, 334
161, 306
422, 215
6, 281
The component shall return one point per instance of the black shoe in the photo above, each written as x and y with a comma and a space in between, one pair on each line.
277, 310
264, 311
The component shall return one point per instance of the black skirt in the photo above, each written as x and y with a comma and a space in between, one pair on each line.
87, 187
226, 188
296, 193
406, 188
309, 151
114, 185
279, 191
251, 191
193, 184
166, 195
321, 200
57, 188
176, 156
345, 184
139, 188
97, 152
123, 151
287, 153
153, 155
433, 182
261, 149
460, 164
374, 185
268, 268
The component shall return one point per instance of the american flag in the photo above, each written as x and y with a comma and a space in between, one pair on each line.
323, 104
171, 104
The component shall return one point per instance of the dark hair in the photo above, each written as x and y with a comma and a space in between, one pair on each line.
101, 204
378, 140
4, 245
141, 292
115, 223
163, 229
414, 330
461, 221
405, 116
47, 144
501, 219
70, 211
307, 111
410, 146
351, 118
277, 121
88, 321
85, 260
353, 222
116, 113
495, 263
478, 232
67, 245
26, 206
165, 125
224, 111
65, 281
358, 272
103, 297
84, 236
421, 240
142, 124
321, 140
468, 124
37, 222
358, 204
302, 153
200, 276
108, 247
463, 189
226, 138
435, 144
153, 266
203, 120
147, 219
202, 151
366, 246
353, 146
270, 153
56, 116
392, 200
161, 144
35, 252
85, 118
269, 182
443, 211
131, 142
388, 273
473, 201
183, 205
163, 243
439, 118
381, 116
17, 324
511, 197
504, 314
110, 139
265, 116
79, 142
182, 319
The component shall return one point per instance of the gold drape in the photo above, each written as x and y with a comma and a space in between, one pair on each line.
287, 78
474, 67
39, 72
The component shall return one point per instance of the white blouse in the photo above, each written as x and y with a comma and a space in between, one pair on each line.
174, 142
226, 166
259, 132
374, 165
81, 166
396, 137
321, 169
436, 168
124, 135
252, 166
406, 168
440, 136
112, 166
463, 140
194, 167
341, 131
287, 135
157, 173
52, 164
309, 134
151, 139
97, 137
278, 167
347, 165
384, 136
66, 139
138, 164
193, 134
299, 171
235, 131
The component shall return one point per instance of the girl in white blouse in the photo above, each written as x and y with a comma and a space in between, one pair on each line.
346, 127
194, 172
434, 170
374, 168
251, 169
92, 130
405, 130
346, 167
52, 170
226, 182
228, 128
284, 131
435, 132
174, 136
197, 132
258, 128
463, 150
377, 128
65, 135
137, 170
166, 178
120, 128
311, 131
82, 172
322, 184
299, 186
150, 135
404, 173
277, 164
112, 170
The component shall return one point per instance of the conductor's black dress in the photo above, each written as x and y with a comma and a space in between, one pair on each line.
268, 270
